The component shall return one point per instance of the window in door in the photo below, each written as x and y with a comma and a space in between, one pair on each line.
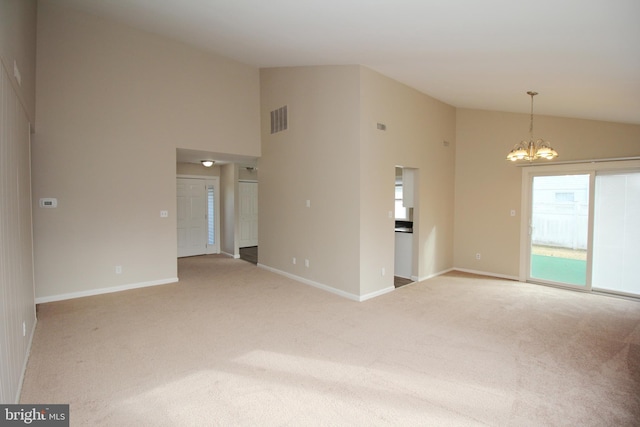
211, 216
616, 233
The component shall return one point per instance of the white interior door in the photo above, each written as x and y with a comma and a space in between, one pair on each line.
248, 206
191, 217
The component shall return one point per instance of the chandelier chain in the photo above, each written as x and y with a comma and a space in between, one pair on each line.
531, 121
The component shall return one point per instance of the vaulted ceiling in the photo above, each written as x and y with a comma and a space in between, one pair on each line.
582, 56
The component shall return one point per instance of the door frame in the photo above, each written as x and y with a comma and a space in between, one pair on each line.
590, 167
528, 174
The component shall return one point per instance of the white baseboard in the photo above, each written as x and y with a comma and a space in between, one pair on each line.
26, 360
100, 291
431, 276
376, 293
487, 273
231, 255
327, 288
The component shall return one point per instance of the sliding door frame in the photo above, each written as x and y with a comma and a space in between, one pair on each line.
592, 168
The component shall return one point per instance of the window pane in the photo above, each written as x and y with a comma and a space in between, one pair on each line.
211, 238
401, 211
398, 192
616, 233
559, 228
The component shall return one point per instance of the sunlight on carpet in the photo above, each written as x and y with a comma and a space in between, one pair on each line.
234, 344
291, 389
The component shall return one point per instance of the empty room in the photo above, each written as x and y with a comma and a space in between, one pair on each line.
320, 213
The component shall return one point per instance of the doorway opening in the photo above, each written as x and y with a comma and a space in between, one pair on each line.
405, 205
248, 220
250, 254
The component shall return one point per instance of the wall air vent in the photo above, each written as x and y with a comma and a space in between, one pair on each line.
279, 120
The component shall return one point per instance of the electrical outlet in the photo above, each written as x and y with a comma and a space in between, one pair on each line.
118, 269
293, 260
383, 271
24, 329
306, 263
478, 256
513, 212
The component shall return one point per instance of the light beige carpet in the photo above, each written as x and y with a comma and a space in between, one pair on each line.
234, 344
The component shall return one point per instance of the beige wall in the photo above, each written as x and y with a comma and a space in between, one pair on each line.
247, 175
17, 43
113, 104
334, 156
316, 159
417, 126
229, 209
488, 186
196, 169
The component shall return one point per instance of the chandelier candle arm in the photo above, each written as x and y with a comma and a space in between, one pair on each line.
532, 150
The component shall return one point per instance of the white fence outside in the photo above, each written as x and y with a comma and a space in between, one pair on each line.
563, 225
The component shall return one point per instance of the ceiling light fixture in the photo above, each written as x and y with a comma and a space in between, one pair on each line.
207, 163
532, 150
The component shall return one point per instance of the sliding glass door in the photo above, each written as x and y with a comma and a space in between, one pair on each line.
581, 226
616, 233
559, 229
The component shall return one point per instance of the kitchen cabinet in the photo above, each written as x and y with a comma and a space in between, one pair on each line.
403, 255
408, 176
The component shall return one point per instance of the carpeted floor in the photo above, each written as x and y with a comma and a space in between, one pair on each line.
234, 344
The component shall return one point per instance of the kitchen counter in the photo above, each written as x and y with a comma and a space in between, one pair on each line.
404, 230
404, 226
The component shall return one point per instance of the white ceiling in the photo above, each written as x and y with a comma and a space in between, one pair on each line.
582, 56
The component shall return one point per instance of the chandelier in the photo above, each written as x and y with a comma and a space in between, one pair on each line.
532, 150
